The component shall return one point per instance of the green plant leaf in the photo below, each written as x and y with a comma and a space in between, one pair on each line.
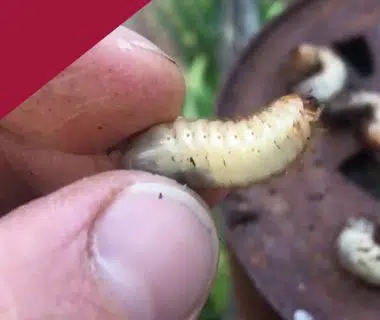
199, 96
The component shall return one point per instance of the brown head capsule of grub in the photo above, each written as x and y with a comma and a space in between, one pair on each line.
313, 108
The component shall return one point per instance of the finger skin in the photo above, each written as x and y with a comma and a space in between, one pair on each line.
30, 172
59, 135
97, 101
56, 137
117, 88
46, 260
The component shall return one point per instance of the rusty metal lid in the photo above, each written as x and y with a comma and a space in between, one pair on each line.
284, 232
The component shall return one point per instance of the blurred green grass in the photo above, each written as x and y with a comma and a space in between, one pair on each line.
196, 29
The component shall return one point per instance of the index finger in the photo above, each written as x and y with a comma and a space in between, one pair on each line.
122, 85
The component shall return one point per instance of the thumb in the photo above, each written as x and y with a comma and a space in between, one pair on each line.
113, 246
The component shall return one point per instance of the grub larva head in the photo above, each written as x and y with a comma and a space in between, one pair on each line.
371, 134
308, 105
304, 57
370, 125
312, 107
301, 61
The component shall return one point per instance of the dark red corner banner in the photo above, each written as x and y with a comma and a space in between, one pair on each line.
40, 38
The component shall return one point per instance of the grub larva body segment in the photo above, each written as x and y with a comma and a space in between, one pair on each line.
216, 153
358, 252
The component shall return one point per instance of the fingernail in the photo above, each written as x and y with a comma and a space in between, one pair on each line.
127, 39
156, 250
151, 47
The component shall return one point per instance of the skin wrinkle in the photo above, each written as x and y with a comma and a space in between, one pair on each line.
58, 251
79, 297
68, 83
96, 306
80, 111
11, 195
89, 249
101, 211
15, 171
31, 171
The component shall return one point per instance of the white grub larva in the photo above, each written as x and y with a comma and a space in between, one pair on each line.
370, 128
226, 153
301, 314
358, 251
330, 71
363, 107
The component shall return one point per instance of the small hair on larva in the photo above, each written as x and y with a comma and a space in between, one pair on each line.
227, 153
358, 251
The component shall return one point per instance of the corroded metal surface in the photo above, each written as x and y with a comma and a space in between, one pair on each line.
284, 232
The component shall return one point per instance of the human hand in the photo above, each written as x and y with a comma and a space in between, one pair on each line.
78, 238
